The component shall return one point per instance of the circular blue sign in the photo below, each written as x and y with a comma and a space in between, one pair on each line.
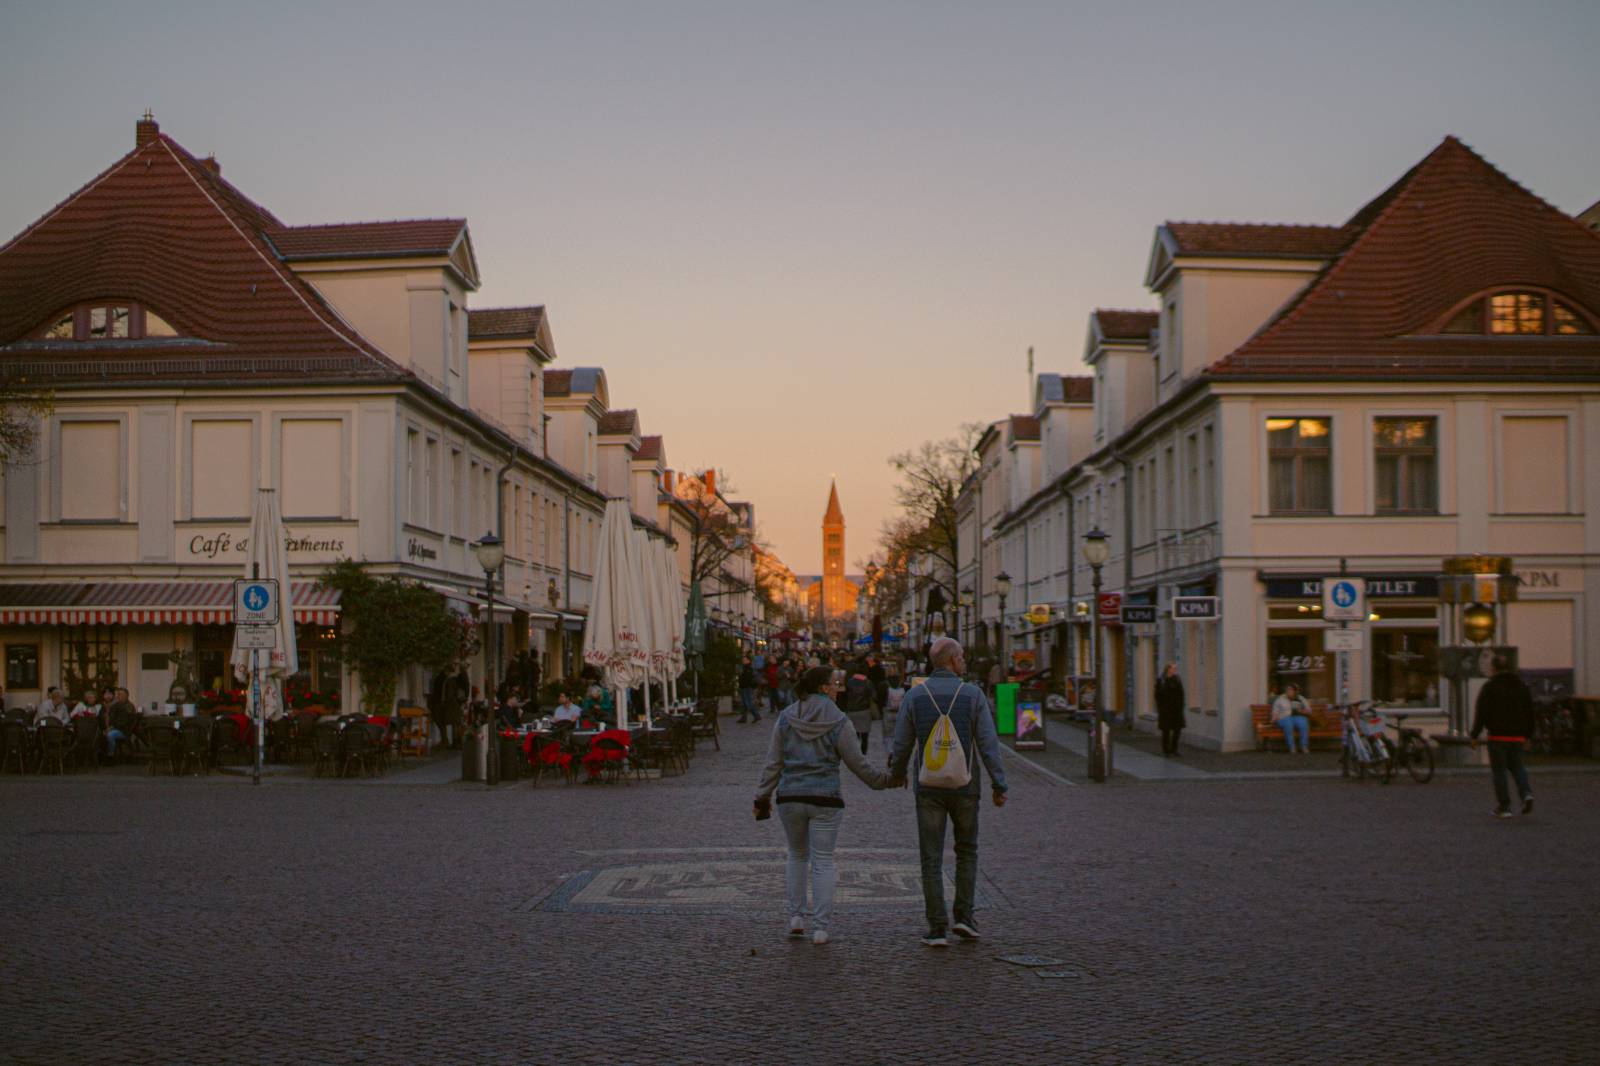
1343, 594
256, 597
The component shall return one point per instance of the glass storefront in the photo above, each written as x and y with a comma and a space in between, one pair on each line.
1400, 661
1295, 657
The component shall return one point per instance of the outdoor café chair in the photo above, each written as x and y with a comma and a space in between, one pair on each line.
86, 742
194, 744
13, 745
162, 741
225, 742
53, 746
325, 747
355, 748
705, 724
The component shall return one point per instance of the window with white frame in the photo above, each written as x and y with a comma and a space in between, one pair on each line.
1405, 465
1299, 465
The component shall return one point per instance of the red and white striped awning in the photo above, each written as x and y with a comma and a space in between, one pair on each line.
150, 603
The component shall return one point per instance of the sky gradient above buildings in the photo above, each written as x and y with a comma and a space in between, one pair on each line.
802, 237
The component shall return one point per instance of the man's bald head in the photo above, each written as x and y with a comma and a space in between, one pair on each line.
944, 653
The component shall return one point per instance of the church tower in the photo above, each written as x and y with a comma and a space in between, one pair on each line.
835, 597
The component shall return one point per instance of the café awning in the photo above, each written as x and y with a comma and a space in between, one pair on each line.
148, 603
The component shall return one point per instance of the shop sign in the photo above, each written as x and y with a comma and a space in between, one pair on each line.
415, 549
1549, 580
221, 545
1110, 608
1038, 613
1379, 587
1138, 614
1196, 608
1300, 664
1030, 726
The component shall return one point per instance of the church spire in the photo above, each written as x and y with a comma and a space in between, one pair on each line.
835, 515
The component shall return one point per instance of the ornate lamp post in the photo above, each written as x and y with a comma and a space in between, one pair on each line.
1095, 552
491, 553
1002, 588
966, 603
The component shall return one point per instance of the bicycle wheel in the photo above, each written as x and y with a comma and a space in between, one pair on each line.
1418, 756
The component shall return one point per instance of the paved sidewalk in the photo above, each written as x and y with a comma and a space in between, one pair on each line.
204, 920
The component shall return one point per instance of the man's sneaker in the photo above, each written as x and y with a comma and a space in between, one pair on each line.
797, 927
1527, 804
820, 937
965, 930
1502, 812
935, 939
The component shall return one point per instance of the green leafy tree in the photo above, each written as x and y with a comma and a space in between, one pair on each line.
719, 675
389, 625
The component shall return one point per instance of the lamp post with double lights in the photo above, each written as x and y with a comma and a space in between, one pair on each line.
1096, 549
1002, 588
491, 554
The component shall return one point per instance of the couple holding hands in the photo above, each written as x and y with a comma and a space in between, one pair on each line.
812, 737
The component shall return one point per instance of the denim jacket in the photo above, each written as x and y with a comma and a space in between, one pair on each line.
808, 741
969, 713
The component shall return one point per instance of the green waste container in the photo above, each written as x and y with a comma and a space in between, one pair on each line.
1005, 708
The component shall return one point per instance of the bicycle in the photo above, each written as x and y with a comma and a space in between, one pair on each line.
1360, 755
1411, 752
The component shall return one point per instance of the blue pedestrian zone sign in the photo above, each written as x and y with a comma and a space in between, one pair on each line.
1344, 599
255, 602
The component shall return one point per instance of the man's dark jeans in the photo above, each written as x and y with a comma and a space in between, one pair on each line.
962, 810
1504, 756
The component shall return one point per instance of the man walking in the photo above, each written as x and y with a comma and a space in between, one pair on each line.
945, 693
1505, 710
747, 692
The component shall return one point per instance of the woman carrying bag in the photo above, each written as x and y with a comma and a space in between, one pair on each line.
809, 740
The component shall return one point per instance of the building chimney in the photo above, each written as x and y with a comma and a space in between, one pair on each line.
709, 479
211, 164
145, 130
666, 482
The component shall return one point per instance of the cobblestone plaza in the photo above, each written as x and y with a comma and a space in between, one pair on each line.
1219, 920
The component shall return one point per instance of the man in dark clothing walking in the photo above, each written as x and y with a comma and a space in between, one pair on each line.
1169, 709
1505, 710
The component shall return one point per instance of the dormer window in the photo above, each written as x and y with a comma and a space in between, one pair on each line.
107, 321
1519, 313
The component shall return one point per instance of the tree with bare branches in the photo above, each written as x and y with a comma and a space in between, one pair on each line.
931, 476
21, 408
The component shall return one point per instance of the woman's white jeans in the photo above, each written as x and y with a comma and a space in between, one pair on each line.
812, 832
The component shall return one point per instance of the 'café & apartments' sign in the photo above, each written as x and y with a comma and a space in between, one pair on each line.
233, 545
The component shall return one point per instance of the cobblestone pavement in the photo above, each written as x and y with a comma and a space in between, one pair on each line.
306, 922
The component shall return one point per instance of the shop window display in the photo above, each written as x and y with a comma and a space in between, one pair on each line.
1296, 656
1405, 666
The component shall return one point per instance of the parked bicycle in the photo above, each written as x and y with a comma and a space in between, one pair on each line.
1367, 748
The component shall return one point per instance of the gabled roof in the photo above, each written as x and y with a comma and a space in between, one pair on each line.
1450, 228
834, 515
649, 448
619, 423
1249, 239
1060, 388
558, 383
1078, 388
1118, 325
161, 228
423, 236
1024, 428
510, 323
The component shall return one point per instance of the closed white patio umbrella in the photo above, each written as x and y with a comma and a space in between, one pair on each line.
268, 559
615, 640
661, 609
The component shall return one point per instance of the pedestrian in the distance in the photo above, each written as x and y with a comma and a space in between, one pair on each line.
747, 693
922, 708
809, 740
1505, 711
1170, 709
860, 702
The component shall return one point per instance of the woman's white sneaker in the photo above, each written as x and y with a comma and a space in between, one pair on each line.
820, 937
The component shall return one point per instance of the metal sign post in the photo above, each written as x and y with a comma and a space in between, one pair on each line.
1344, 600
255, 616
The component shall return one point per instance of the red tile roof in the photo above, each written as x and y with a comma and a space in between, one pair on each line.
649, 448
1451, 227
515, 322
162, 229
1078, 389
426, 236
1258, 239
558, 383
614, 423
1126, 325
1024, 427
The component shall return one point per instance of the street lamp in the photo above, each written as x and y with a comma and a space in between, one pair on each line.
1096, 550
966, 603
491, 553
1002, 587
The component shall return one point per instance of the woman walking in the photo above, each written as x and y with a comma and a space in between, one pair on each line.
809, 740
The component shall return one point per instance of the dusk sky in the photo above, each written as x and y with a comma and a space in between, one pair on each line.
802, 237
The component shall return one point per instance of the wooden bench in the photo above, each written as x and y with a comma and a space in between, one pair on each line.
1324, 725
